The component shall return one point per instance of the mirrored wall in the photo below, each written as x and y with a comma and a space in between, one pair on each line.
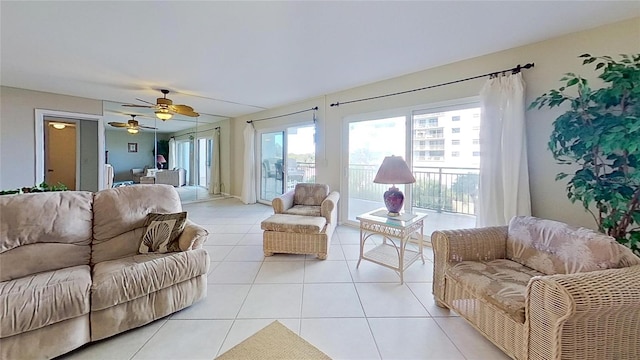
183, 151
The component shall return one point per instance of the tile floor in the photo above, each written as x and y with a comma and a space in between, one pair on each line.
347, 313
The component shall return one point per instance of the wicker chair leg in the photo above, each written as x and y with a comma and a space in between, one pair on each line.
322, 256
267, 253
441, 304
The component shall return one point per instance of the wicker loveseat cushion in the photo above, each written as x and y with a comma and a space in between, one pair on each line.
294, 224
499, 282
553, 247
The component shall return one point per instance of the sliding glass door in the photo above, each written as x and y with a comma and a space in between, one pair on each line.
370, 141
205, 147
287, 157
271, 157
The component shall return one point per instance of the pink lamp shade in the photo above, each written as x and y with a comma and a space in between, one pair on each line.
160, 160
394, 170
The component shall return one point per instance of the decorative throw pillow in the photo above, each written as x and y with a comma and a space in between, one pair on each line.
162, 232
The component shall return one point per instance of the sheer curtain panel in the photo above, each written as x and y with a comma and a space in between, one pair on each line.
173, 160
215, 182
248, 195
504, 174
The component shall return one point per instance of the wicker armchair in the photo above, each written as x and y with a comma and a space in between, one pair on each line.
303, 222
581, 315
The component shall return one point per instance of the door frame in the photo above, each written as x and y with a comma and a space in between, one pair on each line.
39, 141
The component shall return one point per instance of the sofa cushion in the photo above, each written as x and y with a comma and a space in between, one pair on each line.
38, 300
310, 194
119, 215
55, 226
161, 232
501, 282
122, 280
294, 224
553, 247
304, 210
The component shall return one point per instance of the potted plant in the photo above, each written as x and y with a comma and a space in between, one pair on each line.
599, 135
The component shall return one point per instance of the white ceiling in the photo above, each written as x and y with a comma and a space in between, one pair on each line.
235, 58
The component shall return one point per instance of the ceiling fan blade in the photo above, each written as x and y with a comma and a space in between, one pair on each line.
178, 108
118, 124
139, 106
147, 127
145, 101
184, 110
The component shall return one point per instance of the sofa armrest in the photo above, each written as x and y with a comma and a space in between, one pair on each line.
584, 315
329, 207
283, 202
193, 236
452, 246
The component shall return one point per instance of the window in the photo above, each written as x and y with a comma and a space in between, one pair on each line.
476, 128
455, 153
455, 118
455, 130
433, 122
476, 141
435, 133
422, 144
455, 142
422, 123
476, 153
436, 144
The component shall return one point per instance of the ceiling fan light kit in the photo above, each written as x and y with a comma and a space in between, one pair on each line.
132, 130
163, 114
58, 126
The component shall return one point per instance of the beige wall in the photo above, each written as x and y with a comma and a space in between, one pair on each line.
17, 129
552, 58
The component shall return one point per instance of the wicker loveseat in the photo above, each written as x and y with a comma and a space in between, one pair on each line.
541, 289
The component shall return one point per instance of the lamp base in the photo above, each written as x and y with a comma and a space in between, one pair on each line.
393, 200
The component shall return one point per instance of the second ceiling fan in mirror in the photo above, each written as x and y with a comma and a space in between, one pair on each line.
164, 108
133, 126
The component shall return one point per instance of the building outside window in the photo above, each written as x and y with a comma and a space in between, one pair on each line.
455, 142
455, 130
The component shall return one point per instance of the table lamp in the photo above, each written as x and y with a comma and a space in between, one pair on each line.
160, 160
394, 170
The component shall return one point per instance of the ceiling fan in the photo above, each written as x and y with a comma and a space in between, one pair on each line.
165, 108
132, 125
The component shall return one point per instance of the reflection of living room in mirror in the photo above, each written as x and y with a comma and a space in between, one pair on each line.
181, 152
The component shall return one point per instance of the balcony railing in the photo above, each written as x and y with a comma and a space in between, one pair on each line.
443, 189
436, 188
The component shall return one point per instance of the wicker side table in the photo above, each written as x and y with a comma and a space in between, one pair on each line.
396, 233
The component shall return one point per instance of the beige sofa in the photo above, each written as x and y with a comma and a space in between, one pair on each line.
303, 222
70, 271
175, 177
541, 289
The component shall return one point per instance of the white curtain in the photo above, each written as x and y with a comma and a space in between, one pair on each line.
173, 160
504, 175
214, 185
248, 195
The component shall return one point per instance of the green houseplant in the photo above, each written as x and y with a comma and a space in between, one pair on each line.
600, 135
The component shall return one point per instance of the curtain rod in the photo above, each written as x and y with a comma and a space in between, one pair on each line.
279, 116
194, 132
513, 70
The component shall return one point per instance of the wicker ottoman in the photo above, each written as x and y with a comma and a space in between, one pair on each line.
295, 234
